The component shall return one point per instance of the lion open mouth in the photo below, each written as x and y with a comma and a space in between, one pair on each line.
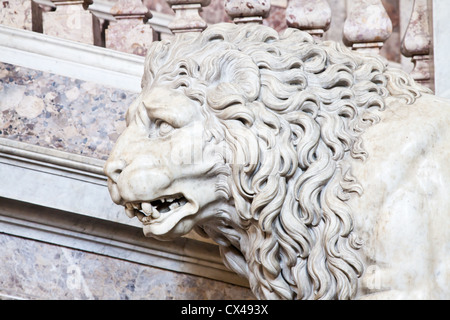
150, 211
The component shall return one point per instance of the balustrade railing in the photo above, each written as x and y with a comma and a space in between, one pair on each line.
127, 24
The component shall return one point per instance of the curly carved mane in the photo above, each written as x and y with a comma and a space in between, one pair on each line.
291, 112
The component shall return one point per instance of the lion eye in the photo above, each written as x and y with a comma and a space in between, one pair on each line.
163, 127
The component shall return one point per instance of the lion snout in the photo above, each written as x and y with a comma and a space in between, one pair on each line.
113, 169
140, 181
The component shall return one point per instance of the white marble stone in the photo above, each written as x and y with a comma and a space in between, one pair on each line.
441, 47
405, 181
321, 173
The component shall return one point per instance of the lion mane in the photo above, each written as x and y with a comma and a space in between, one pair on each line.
291, 110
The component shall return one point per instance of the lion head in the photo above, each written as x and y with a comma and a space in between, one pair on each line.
241, 134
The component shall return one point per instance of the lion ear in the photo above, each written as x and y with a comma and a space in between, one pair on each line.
232, 78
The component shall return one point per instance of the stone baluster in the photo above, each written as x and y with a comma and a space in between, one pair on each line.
416, 43
38, 7
129, 33
16, 13
187, 15
247, 11
71, 20
312, 16
367, 26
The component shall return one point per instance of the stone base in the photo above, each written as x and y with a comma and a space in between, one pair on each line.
37, 270
72, 23
129, 36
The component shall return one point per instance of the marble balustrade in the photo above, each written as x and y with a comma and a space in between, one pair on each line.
144, 21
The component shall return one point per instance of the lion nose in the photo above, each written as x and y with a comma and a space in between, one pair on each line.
113, 169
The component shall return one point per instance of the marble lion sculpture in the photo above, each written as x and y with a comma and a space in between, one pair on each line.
321, 173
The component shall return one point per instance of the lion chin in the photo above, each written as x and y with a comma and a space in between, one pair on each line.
284, 151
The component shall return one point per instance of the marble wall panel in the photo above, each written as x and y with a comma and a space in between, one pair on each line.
129, 35
59, 112
37, 270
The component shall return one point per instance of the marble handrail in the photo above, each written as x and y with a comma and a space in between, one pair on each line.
71, 58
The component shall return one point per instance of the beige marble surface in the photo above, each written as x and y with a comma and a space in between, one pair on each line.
36, 270
16, 13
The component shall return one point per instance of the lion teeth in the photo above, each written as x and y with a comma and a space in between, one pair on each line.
174, 205
147, 208
148, 211
146, 220
156, 214
130, 212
